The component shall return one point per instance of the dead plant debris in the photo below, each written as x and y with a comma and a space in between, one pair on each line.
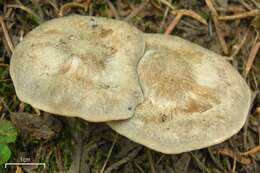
68, 143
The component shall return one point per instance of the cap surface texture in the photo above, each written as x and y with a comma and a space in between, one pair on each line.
193, 98
80, 66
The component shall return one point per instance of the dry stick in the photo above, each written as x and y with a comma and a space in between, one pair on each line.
251, 151
5, 80
159, 160
151, 162
179, 14
113, 9
241, 15
169, 169
138, 167
215, 160
58, 158
235, 155
173, 24
126, 159
257, 4
211, 7
257, 87
252, 56
36, 17
54, 5
242, 2
6, 35
234, 166
237, 49
245, 134
77, 153
71, 5
238, 9
4, 65
166, 12
218, 30
200, 164
136, 11
109, 154
191, 14
167, 4
258, 112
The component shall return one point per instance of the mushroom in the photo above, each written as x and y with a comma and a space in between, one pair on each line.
80, 66
193, 98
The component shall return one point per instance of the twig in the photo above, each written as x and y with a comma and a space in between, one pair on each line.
257, 88
191, 14
211, 7
57, 153
237, 48
167, 4
234, 166
245, 134
109, 154
132, 155
78, 147
160, 159
200, 164
6, 35
252, 151
240, 16
54, 5
173, 24
179, 14
231, 9
113, 9
138, 167
35, 17
136, 11
217, 27
252, 57
257, 4
170, 169
216, 160
166, 12
231, 153
220, 35
5, 80
4, 65
247, 6
70, 5
151, 162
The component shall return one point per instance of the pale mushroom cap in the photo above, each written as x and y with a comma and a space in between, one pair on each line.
80, 66
193, 98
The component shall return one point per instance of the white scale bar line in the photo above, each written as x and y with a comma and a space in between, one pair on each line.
30, 164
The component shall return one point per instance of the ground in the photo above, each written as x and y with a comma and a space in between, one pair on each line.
73, 145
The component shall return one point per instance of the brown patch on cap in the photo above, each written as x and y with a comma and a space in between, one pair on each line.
169, 77
105, 32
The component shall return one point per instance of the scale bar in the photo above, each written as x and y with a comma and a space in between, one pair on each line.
28, 164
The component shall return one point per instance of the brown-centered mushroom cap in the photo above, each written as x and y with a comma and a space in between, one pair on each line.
80, 66
193, 98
